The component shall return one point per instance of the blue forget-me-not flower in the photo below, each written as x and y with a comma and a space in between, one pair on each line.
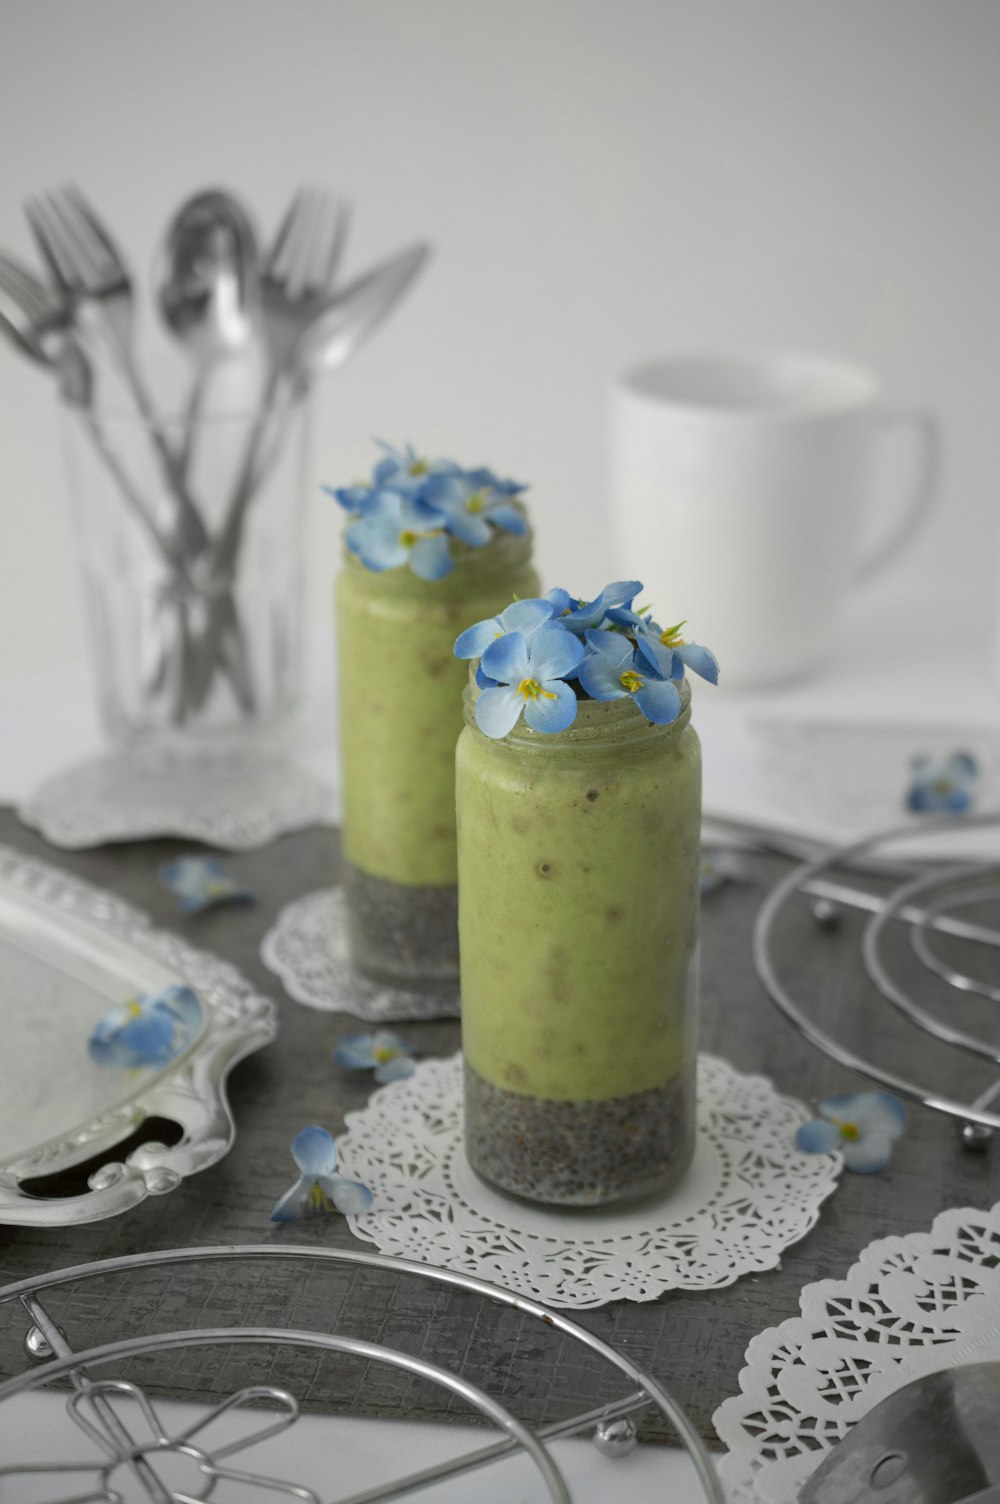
471, 501
149, 1030
612, 670
529, 675
388, 1055
860, 1125
942, 784
320, 1187
395, 530
201, 881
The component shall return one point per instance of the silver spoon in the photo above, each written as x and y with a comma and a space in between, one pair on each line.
208, 289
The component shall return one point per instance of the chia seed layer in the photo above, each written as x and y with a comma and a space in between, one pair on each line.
402, 933
579, 1153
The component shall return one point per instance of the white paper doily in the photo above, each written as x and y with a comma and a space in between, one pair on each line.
307, 948
237, 800
908, 1307
749, 1194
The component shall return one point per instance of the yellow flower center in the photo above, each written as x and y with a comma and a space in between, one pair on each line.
850, 1131
671, 636
407, 538
318, 1199
530, 689
418, 467
134, 1009
476, 502
382, 1054
631, 681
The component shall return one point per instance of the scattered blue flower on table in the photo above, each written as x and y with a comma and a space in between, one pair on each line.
149, 1030
319, 1188
942, 784
201, 881
530, 677
619, 653
859, 1125
432, 502
720, 865
389, 1055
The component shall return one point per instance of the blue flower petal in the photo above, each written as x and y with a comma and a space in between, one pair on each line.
877, 1112
659, 701
651, 652
612, 646
699, 660
508, 518
430, 558
600, 678
526, 616
396, 1069
555, 715
355, 1053
471, 527
553, 653
818, 1137
473, 642
348, 1196
314, 1151
498, 711
483, 681
560, 599
293, 1201
388, 1039
351, 498
868, 1154
506, 658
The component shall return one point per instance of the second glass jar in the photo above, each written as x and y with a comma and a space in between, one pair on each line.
400, 697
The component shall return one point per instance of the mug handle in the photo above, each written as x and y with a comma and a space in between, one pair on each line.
930, 448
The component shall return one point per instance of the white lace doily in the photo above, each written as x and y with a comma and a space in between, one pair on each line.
237, 800
307, 948
749, 1194
908, 1307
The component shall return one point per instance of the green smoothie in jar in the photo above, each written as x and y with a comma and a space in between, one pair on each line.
579, 875
400, 709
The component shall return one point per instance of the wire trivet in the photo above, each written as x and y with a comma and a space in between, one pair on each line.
137, 1449
919, 902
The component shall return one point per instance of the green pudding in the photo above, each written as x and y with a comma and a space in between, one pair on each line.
579, 869
400, 697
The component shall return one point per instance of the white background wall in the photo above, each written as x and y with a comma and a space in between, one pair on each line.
601, 182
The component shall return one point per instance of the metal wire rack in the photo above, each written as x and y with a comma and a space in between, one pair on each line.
929, 901
129, 1442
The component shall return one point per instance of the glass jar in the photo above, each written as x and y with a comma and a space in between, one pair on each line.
400, 696
189, 648
579, 869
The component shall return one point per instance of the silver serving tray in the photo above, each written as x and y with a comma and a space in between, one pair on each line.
68, 953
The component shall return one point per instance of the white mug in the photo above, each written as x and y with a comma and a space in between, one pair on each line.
740, 488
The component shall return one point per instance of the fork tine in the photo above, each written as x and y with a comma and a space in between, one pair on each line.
33, 293
50, 244
338, 239
324, 229
72, 196
284, 231
303, 249
85, 249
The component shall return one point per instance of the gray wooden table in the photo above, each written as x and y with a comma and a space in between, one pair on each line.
694, 1342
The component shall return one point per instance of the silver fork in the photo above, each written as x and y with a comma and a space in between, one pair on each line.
94, 281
